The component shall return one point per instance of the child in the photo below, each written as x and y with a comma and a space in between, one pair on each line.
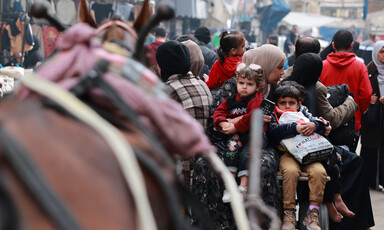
230, 52
232, 116
337, 209
288, 99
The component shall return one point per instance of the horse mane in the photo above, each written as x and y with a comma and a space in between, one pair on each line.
85, 15
113, 33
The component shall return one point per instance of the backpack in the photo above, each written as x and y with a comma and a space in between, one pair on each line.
345, 134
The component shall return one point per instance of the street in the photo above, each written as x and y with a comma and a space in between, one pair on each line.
377, 200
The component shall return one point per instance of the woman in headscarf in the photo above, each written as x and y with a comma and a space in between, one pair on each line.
372, 139
271, 59
174, 61
196, 56
206, 184
306, 72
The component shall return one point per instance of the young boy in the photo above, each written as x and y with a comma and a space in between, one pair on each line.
288, 99
337, 209
232, 116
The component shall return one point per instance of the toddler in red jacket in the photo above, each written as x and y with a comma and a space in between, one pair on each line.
232, 117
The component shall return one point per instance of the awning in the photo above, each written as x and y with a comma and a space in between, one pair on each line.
306, 21
191, 8
271, 15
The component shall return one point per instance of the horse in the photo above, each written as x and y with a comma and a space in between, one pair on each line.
58, 173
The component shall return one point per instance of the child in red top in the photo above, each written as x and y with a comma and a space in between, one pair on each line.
230, 52
232, 116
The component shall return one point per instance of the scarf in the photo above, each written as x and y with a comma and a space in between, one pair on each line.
380, 66
268, 57
222, 72
173, 58
307, 69
197, 59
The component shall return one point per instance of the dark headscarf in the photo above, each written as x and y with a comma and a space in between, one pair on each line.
307, 69
173, 58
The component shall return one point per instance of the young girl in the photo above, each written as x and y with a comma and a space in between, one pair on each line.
232, 48
233, 117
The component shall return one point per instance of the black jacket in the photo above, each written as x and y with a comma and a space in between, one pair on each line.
209, 55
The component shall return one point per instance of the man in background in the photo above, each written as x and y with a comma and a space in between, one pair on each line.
289, 44
160, 35
342, 67
204, 36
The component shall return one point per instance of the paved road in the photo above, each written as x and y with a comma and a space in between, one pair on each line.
377, 199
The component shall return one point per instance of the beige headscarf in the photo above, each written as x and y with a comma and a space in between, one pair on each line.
197, 59
268, 57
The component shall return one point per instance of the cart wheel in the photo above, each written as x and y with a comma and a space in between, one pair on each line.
303, 208
323, 216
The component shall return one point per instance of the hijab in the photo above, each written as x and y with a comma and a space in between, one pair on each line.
197, 59
307, 69
380, 66
268, 57
173, 58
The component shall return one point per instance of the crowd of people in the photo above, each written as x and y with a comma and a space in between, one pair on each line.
221, 88
238, 82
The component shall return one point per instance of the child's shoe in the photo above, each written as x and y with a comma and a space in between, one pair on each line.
311, 221
243, 191
289, 221
226, 197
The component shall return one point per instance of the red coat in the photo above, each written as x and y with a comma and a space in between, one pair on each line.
343, 67
151, 52
221, 113
222, 72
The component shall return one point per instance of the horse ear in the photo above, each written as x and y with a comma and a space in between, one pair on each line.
143, 17
86, 16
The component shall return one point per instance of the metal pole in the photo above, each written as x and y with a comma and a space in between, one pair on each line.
254, 164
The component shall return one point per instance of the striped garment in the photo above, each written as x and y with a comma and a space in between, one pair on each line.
193, 94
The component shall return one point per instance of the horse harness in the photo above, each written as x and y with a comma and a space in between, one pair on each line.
50, 202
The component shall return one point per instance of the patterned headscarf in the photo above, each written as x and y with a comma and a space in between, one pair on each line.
380, 66
268, 57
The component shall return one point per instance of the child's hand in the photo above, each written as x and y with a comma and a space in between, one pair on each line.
224, 125
206, 77
328, 126
235, 120
267, 118
299, 128
306, 128
230, 129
